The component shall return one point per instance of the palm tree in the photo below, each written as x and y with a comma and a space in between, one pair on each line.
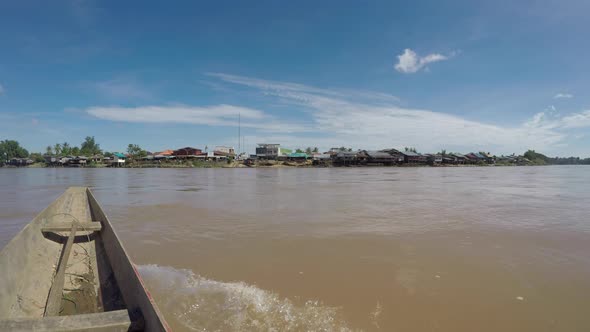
65, 148
49, 150
57, 149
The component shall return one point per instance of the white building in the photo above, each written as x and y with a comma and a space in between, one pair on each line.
118, 159
271, 151
226, 150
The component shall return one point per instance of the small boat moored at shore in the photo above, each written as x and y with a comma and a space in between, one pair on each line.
68, 271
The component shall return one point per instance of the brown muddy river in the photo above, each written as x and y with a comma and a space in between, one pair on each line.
373, 249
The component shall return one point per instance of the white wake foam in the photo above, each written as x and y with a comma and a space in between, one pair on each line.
201, 304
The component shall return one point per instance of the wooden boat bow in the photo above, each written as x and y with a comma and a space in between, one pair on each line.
68, 271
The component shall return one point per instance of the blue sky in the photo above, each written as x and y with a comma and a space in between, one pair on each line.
497, 76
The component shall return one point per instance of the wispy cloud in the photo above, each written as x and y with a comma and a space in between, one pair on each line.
344, 120
122, 88
547, 120
287, 88
563, 96
576, 120
358, 120
216, 115
410, 62
212, 115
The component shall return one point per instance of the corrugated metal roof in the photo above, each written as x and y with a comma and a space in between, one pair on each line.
347, 153
378, 154
410, 153
120, 155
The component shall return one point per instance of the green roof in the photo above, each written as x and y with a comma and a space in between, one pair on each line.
297, 155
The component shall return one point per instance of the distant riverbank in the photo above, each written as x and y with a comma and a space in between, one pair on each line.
261, 164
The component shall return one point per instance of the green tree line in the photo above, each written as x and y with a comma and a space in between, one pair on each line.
308, 150
541, 159
11, 149
89, 147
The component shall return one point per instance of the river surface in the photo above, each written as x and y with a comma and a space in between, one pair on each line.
373, 249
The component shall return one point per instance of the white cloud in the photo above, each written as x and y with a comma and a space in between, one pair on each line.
1, 89
576, 120
290, 88
333, 117
563, 96
343, 120
570, 121
216, 115
410, 62
211, 115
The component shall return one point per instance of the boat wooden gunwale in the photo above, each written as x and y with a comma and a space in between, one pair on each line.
34, 263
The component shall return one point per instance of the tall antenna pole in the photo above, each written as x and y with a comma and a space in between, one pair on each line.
239, 133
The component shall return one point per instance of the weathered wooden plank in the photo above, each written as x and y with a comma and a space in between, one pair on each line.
54, 299
136, 296
103, 321
64, 227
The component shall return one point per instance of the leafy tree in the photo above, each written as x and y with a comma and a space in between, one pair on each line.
407, 149
135, 151
536, 158
66, 149
75, 151
49, 150
11, 149
89, 147
349, 149
316, 150
308, 150
37, 157
443, 152
341, 148
108, 154
298, 151
57, 149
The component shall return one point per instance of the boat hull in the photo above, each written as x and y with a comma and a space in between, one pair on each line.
97, 275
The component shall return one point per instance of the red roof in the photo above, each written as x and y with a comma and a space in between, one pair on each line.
164, 153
